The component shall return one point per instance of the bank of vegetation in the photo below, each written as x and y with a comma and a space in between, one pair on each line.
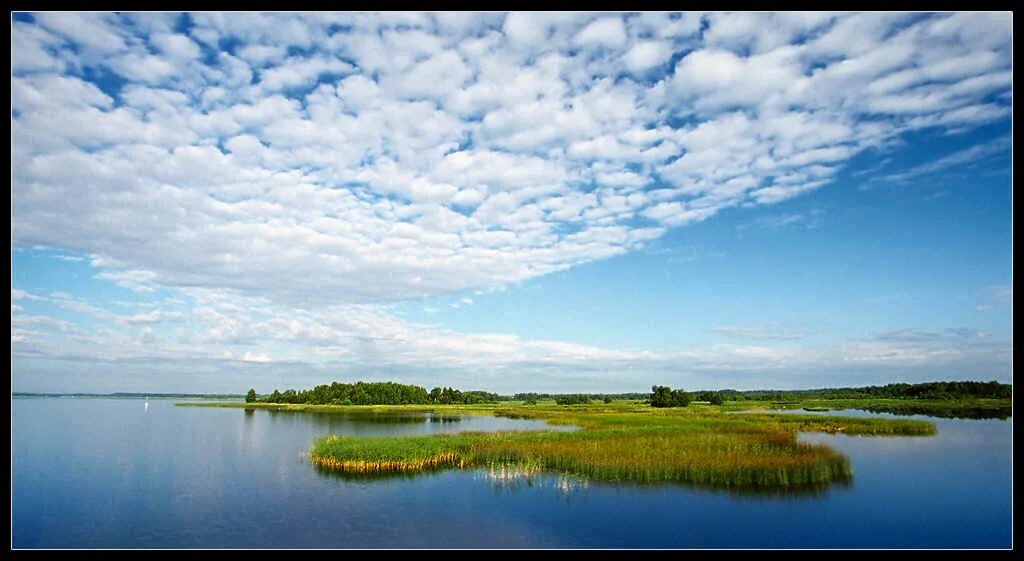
924, 395
697, 446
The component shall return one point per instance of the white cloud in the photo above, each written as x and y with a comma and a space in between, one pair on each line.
525, 28
250, 356
606, 32
147, 69
31, 48
435, 77
178, 47
149, 317
760, 32
296, 72
17, 294
412, 156
89, 30
645, 55
261, 55
355, 338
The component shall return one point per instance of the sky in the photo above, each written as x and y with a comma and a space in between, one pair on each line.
550, 202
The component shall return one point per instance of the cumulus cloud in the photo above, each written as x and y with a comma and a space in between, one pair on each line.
344, 175
606, 32
645, 55
321, 160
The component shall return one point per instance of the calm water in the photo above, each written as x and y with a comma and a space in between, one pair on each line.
90, 473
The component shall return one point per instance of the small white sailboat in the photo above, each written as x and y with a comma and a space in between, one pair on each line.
147, 403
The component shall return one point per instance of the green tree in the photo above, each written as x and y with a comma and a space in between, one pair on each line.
664, 396
661, 396
251, 396
679, 398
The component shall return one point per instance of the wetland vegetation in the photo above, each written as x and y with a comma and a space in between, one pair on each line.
670, 437
630, 443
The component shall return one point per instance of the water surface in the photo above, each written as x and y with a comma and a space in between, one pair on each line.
91, 473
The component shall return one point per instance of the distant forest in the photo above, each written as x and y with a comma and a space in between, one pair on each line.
927, 390
663, 397
391, 393
374, 393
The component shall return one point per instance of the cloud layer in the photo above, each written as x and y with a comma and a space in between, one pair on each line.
228, 334
330, 158
290, 175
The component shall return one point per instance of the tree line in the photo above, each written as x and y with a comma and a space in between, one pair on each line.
572, 399
532, 396
391, 393
926, 390
373, 393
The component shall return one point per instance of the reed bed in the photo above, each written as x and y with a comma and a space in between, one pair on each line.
721, 451
725, 459
863, 426
445, 459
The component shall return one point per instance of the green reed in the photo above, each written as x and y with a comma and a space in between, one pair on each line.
699, 446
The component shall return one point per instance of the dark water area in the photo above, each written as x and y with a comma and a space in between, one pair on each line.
114, 473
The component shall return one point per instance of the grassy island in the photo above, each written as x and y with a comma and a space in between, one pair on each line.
629, 442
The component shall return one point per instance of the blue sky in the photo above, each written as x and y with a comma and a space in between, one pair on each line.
511, 202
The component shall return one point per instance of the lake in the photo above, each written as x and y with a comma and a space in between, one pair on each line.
117, 473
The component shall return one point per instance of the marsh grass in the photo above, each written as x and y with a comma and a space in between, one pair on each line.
623, 441
862, 426
625, 444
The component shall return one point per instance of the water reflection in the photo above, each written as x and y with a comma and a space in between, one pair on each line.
515, 478
383, 418
1001, 413
510, 478
373, 476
